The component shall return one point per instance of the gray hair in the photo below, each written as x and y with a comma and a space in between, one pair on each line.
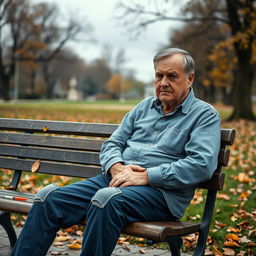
189, 63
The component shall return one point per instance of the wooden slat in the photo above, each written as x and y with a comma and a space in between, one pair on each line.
15, 206
29, 196
50, 168
58, 127
215, 183
158, 231
223, 157
60, 155
227, 136
51, 141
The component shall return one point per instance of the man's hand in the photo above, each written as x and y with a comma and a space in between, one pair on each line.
127, 175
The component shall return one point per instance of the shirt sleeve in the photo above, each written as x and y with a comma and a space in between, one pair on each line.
201, 157
112, 149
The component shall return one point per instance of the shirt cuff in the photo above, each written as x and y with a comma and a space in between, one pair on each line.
154, 176
112, 162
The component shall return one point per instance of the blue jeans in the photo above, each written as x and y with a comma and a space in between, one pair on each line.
106, 210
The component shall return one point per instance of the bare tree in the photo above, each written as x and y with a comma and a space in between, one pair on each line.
30, 33
239, 15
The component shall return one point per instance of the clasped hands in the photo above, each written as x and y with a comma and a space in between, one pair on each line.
127, 175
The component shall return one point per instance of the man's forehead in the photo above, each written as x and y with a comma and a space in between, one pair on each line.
170, 63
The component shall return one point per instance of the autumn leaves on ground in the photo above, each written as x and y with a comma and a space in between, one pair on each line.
233, 229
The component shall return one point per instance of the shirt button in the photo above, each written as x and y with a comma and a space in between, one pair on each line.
155, 132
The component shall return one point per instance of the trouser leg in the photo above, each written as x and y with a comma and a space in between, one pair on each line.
61, 208
105, 222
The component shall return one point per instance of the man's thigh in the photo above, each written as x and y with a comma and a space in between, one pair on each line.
137, 203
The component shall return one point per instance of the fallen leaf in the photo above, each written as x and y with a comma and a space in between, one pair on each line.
55, 253
75, 246
251, 232
228, 251
231, 244
45, 129
142, 251
232, 237
223, 196
58, 243
208, 252
62, 238
216, 251
235, 230
35, 166
244, 240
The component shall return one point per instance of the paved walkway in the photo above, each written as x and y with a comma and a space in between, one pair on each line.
60, 248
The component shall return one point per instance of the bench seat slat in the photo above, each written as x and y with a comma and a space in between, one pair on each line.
58, 127
51, 141
158, 231
15, 206
60, 155
81, 171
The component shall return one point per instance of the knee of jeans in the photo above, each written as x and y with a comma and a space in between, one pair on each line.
102, 196
42, 195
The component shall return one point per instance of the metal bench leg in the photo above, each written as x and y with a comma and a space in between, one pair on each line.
175, 244
201, 243
5, 221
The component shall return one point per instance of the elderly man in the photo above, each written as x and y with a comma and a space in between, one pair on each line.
151, 165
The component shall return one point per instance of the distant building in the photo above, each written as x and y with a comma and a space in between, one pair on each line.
149, 90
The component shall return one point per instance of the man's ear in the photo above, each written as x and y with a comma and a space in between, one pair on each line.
191, 78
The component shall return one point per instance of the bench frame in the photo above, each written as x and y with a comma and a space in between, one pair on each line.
61, 152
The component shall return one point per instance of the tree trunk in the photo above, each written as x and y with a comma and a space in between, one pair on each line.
6, 88
242, 91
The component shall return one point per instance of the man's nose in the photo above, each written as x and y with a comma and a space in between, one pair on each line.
164, 81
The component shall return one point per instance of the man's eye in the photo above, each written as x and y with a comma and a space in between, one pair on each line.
159, 77
172, 76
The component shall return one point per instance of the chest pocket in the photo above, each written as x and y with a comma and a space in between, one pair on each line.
173, 141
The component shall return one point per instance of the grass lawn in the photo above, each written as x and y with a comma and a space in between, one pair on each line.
233, 229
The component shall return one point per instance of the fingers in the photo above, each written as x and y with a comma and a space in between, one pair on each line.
118, 181
137, 168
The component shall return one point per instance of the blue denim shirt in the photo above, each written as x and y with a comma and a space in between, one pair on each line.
179, 149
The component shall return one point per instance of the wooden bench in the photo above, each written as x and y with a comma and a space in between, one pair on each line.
72, 149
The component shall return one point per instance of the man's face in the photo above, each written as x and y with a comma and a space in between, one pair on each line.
171, 82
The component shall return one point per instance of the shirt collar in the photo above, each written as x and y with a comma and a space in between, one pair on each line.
185, 106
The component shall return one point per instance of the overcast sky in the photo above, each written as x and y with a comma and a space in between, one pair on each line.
107, 30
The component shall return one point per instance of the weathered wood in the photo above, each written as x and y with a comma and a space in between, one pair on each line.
58, 155
223, 157
227, 136
71, 170
51, 141
159, 231
62, 154
215, 183
58, 127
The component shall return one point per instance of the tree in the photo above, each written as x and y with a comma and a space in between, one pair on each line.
30, 33
117, 85
238, 15
95, 78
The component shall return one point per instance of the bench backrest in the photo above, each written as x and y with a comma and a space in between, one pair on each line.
71, 148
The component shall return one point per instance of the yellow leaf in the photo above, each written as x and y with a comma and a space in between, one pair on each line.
232, 237
35, 166
231, 244
216, 251
45, 129
75, 246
